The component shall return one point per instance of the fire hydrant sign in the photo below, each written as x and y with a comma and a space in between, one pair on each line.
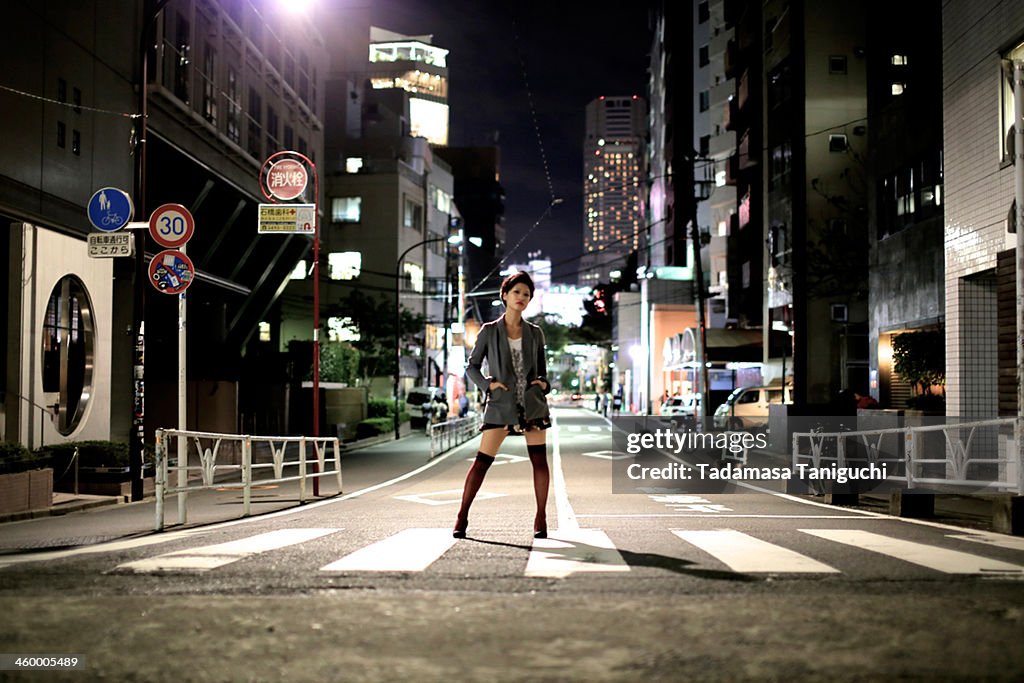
171, 271
287, 218
287, 179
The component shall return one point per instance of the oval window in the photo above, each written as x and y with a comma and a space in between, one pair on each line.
67, 361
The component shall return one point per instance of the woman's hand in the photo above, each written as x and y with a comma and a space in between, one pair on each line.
541, 383
496, 385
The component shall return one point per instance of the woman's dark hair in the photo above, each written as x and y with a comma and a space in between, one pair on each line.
514, 279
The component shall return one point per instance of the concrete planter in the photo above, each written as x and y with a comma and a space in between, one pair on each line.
24, 491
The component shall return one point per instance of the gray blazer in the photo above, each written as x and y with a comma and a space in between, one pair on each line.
492, 346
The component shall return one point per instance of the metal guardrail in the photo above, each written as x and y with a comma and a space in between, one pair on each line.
209, 474
445, 436
966, 446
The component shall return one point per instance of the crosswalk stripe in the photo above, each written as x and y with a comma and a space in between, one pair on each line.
1010, 542
574, 550
204, 558
746, 554
940, 559
411, 550
593, 428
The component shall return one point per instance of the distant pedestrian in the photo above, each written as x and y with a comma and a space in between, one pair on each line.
865, 401
617, 403
605, 398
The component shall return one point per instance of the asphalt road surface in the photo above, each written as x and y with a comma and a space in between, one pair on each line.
652, 585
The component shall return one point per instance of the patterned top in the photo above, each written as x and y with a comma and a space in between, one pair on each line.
517, 363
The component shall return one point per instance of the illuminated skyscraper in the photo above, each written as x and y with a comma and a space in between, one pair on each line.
612, 172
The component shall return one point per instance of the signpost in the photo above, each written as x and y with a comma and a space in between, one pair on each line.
171, 226
111, 245
171, 271
284, 177
287, 218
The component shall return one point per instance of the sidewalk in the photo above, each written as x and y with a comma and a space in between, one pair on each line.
64, 503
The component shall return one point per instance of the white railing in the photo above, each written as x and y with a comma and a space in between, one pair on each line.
237, 465
907, 453
445, 436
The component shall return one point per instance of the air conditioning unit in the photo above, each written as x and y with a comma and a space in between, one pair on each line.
840, 313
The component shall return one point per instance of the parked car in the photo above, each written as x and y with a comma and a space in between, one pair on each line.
681, 409
418, 403
747, 407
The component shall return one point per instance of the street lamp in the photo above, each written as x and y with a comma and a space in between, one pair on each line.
452, 239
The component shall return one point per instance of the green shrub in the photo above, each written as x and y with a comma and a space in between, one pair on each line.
16, 458
90, 454
379, 407
374, 426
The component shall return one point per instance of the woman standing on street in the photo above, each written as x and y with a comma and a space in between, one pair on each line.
515, 391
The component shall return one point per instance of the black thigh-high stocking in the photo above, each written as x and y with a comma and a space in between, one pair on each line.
474, 479
541, 483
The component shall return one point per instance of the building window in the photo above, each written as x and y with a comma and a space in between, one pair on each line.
837, 64
76, 100
234, 107
900, 60
705, 100
62, 90
353, 164
837, 143
413, 276
702, 56
62, 133
272, 145
76, 143
210, 84
255, 124
264, 331
299, 271
412, 215
1006, 110
342, 330
346, 209
344, 265
703, 12
67, 353
289, 137
182, 59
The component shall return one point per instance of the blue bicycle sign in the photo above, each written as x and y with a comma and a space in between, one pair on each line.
110, 209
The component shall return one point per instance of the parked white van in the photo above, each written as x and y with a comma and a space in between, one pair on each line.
416, 399
747, 407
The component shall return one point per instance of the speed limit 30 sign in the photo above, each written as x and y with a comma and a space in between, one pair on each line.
171, 225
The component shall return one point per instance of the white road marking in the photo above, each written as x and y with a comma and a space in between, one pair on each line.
749, 555
567, 552
411, 550
940, 559
1011, 542
607, 455
448, 497
593, 428
716, 515
204, 558
574, 428
566, 517
110, 547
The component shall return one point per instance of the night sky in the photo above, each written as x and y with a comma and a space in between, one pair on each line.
573, 52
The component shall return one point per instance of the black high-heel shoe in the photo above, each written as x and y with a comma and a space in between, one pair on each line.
461, 524
540, 530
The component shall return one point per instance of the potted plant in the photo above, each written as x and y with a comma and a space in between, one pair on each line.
26, 479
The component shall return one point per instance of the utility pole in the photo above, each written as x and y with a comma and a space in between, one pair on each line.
1017, 75
700, 295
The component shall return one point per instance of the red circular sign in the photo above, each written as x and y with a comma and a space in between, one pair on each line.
171, 225
171, 271
287, 179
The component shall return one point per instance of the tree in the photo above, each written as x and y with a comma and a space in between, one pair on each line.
374, 318
919, 358
556, 334
339, 362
